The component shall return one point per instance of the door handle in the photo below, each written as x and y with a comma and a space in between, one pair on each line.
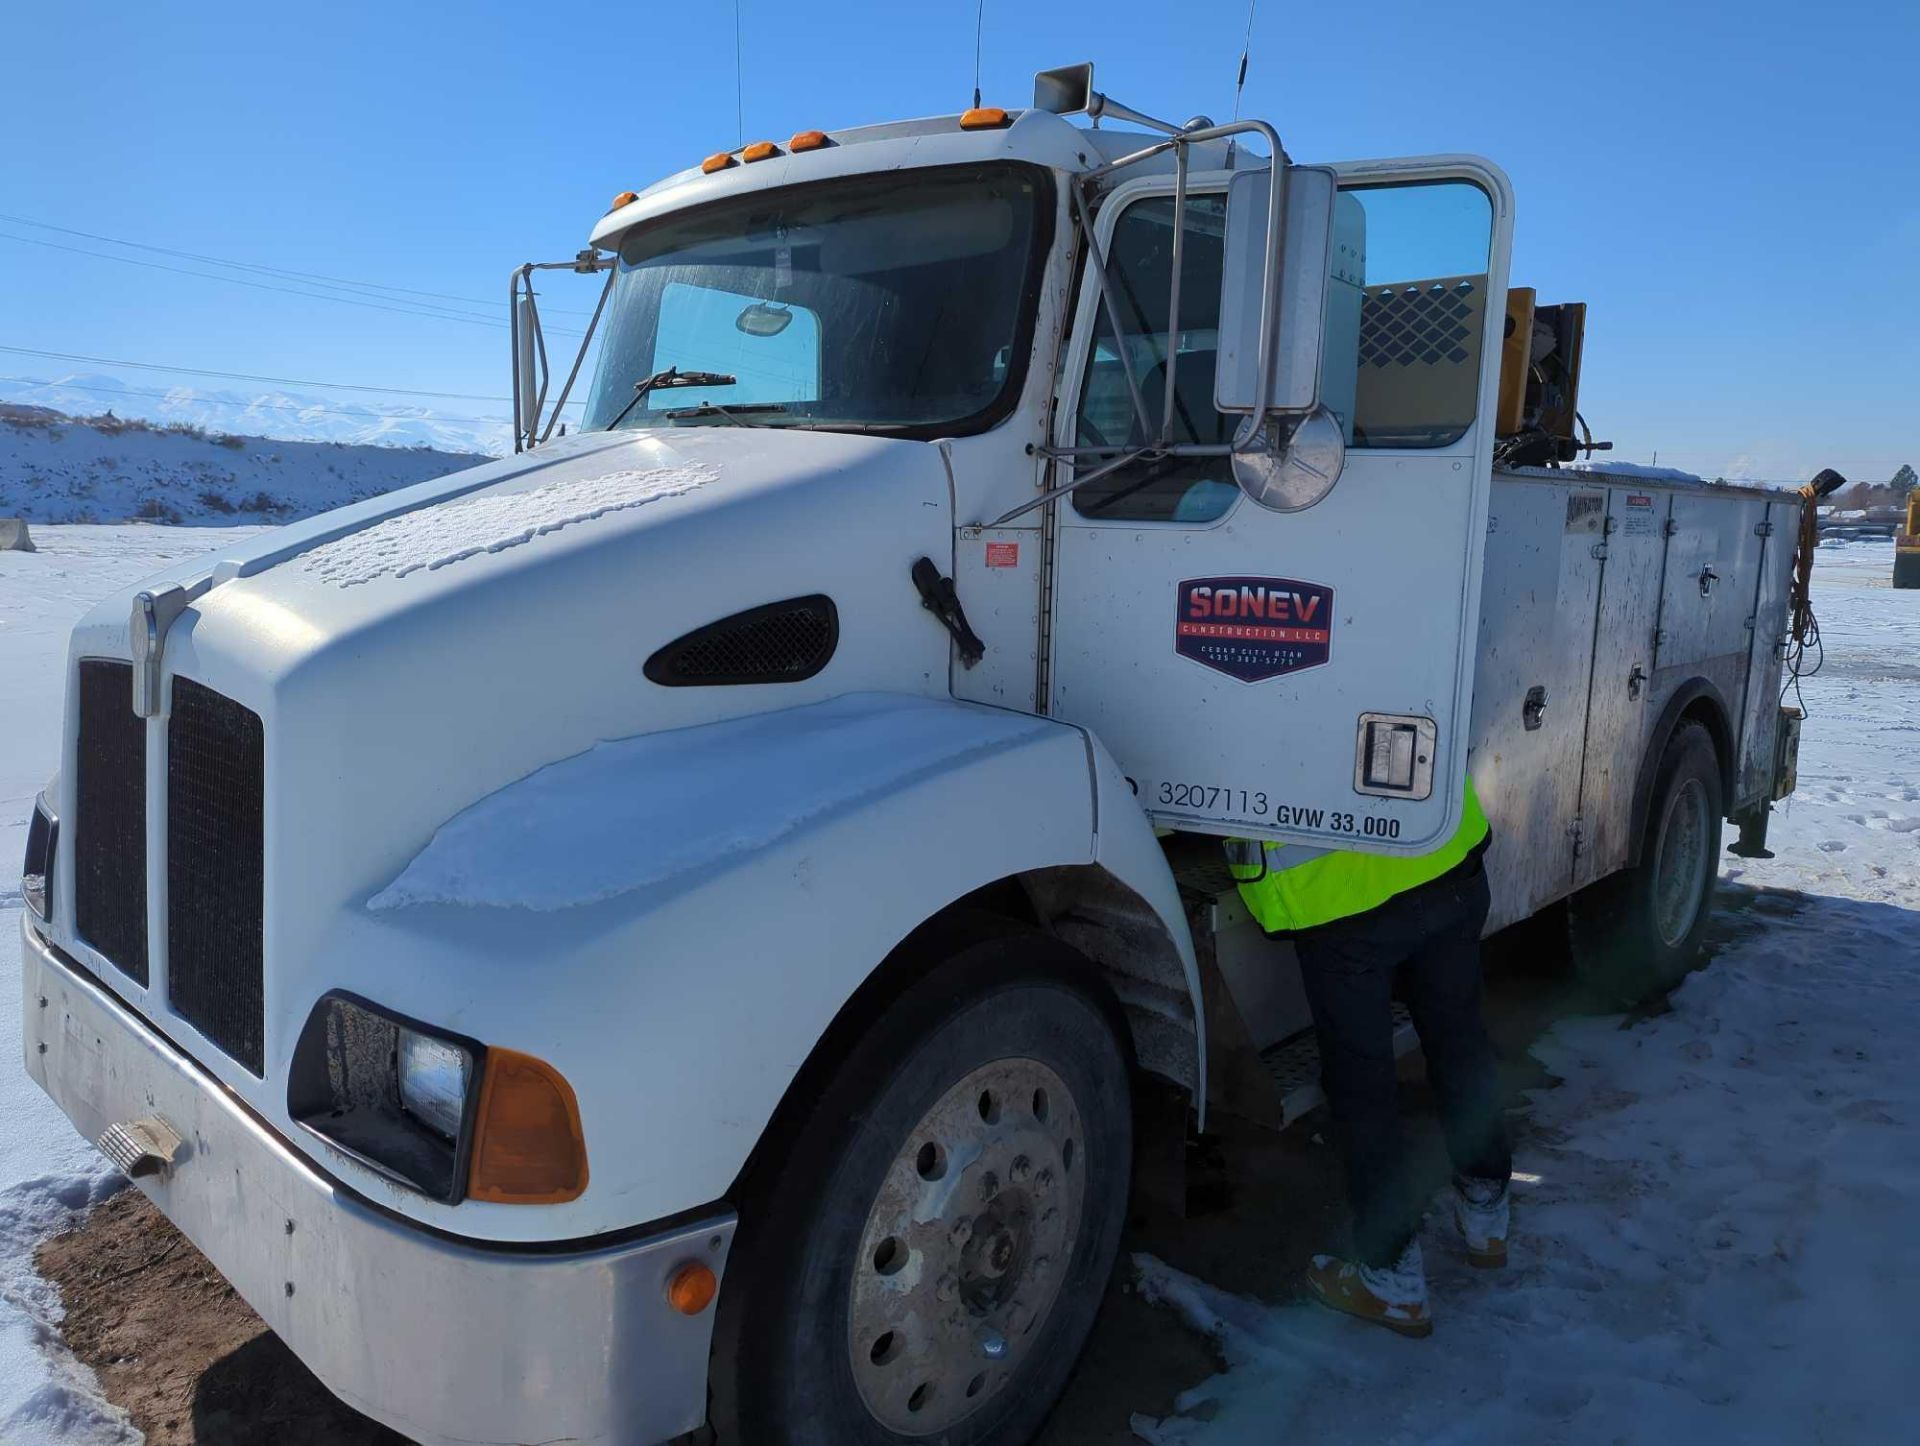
1708, 577
1636, 680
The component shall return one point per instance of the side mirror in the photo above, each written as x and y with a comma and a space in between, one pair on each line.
1294, 455
528, 386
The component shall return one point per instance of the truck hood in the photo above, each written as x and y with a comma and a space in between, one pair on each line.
411, 655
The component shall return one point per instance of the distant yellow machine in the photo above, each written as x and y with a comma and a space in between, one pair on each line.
1906, 547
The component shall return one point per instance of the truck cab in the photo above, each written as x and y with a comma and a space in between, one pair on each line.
668, 931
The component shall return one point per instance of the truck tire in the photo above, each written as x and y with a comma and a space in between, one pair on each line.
1638, 932
925, 1260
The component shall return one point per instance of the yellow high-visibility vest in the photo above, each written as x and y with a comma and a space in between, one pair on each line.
1289, 887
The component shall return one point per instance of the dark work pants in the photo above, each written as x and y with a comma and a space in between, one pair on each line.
1433, 933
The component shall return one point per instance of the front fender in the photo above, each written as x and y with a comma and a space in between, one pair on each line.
674, 920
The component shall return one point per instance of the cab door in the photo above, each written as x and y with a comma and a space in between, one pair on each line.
1305, 676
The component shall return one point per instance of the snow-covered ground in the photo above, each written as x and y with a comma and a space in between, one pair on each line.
75, 471
452, 426
47, 1173
1716, 1227
1717, 1219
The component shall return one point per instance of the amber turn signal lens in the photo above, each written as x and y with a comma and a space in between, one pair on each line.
983, 118
718, 161
623, 198
759, 151
807, 141
527, 1147
691, 1288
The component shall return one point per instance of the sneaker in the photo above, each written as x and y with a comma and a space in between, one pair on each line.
1395, 1297
1480, 1210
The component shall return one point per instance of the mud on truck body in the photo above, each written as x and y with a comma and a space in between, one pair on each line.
665, 933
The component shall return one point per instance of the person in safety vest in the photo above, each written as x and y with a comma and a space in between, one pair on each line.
1354, 919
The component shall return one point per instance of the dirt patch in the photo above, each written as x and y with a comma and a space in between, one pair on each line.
177, 1349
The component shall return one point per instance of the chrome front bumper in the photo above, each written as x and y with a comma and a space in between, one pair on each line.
450, 1342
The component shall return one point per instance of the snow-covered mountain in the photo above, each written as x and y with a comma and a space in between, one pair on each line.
460, 427
56, 468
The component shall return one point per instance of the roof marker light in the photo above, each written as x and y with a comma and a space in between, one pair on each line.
623, 199
808, 141
718, 161
759, 151
983, 118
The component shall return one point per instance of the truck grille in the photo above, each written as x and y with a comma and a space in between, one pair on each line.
110, 824
216, 778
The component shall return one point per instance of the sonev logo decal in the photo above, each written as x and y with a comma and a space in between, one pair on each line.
1253, 628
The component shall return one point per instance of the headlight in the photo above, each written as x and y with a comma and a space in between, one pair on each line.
389, 1092
36, 875
431, 1110
436, 1076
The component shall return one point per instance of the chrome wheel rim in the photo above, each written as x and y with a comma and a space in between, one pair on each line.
965, 1246
1683, 863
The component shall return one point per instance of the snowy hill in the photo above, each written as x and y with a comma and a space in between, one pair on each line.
56, 468
464, 427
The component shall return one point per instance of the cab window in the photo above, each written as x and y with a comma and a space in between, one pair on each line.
1415, 363
1402, 372
1140, 255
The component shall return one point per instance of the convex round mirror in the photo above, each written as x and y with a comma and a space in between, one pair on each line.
1292, 465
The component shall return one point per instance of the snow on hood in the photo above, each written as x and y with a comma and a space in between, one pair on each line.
435, 537
645, 812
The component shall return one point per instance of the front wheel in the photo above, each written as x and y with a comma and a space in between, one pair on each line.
1640, 931
926, 1260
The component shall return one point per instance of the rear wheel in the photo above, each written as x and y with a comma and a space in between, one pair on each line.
1641, 930
926, 1261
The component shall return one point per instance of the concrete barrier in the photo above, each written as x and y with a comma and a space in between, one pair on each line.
14, 536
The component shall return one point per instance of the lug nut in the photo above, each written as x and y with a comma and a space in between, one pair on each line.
962, 1231
946, 1288
1022, 1170
1043, 1182
989, 1185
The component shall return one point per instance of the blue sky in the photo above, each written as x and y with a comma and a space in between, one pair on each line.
1735, 189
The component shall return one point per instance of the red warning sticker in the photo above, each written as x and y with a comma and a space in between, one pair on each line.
1003, 554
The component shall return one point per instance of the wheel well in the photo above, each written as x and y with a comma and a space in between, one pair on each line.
1134, 961
1696, 701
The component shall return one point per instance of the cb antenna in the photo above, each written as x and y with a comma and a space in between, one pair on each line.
1246, 51
979, 21
739, 84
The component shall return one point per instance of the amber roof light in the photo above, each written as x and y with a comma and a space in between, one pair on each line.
983, 118
808, 141
718, 161
759, 151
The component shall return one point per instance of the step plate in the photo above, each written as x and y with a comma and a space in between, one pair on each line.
1294, 1065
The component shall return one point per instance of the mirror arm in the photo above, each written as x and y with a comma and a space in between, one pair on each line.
581, 355
1132, 455
1098, 257
1173, 298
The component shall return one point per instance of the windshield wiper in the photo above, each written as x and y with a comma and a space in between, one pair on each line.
671, 377
732, 413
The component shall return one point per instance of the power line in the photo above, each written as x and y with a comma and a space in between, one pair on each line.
107, 361
281, 271
419, 311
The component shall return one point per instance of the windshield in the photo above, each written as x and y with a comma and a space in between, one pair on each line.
897, 303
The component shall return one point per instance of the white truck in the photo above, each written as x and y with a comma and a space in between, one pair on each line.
665, 933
